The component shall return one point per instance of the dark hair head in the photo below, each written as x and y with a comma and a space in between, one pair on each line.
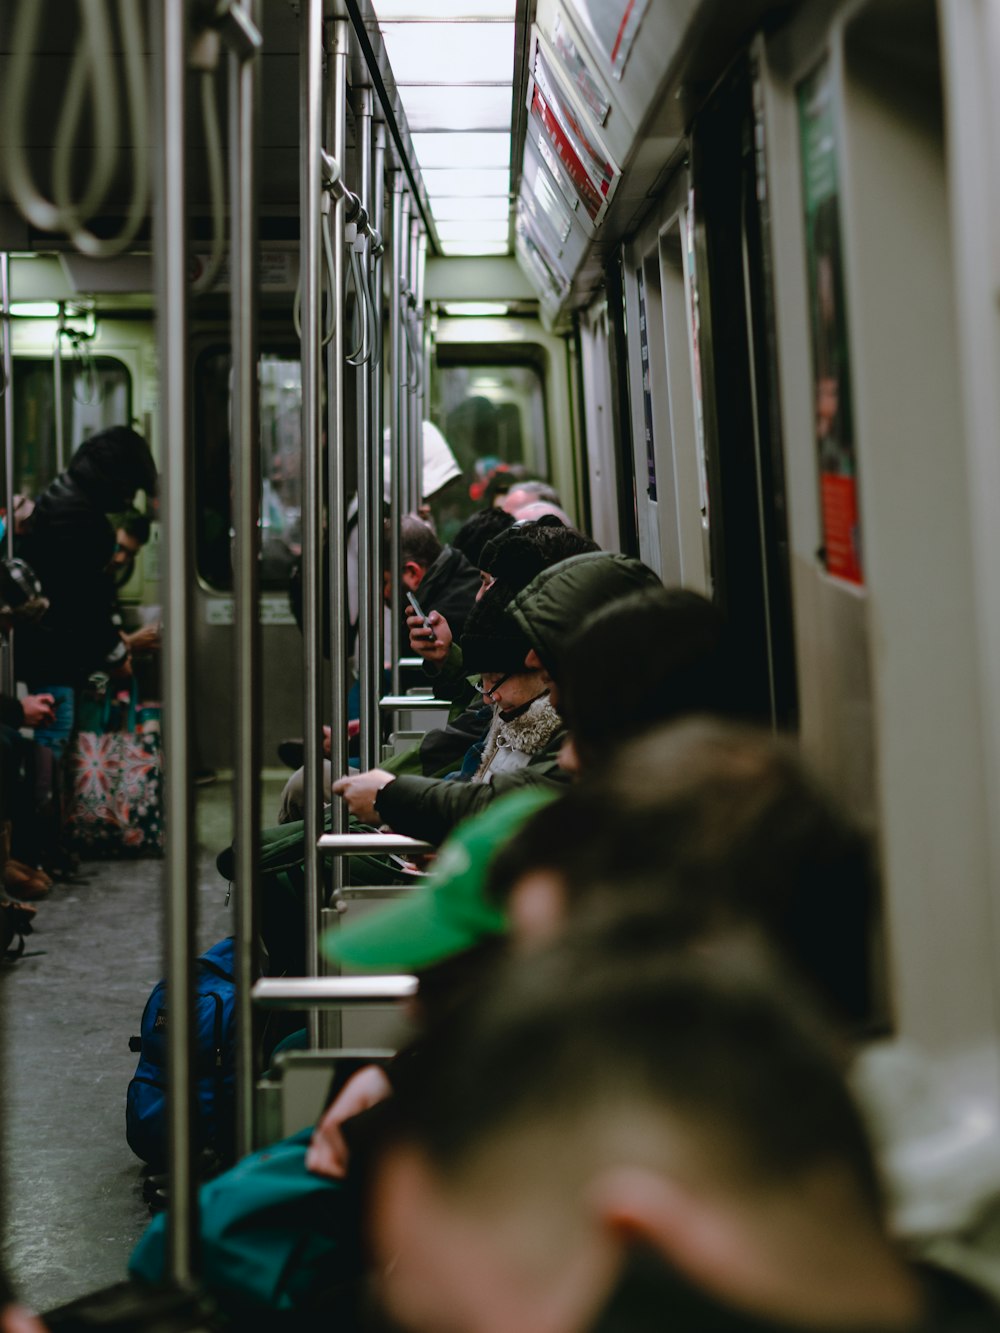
492, 641
136, 524
476, 531
654, 655
417, 541
714, 825
589, 1038
112, 466
518, 554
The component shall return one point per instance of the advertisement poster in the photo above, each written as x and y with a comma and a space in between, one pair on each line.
834, 425
647, 390
587, 167
613, 24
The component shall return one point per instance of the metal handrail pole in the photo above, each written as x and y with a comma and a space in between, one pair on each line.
336, 518
170, 265
376, 455
334, 992
310, 133
416, 703
57, 392
415, 437
7, 369
244, 112
369, 506
361, 844
401, 448
397, 401
422, 344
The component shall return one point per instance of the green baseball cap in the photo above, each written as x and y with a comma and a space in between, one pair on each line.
448, 912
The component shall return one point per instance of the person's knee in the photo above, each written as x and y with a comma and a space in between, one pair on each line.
292, 804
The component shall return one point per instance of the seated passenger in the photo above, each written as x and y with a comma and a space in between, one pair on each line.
520, 747
718, 826
687, 672
538, 621
514, 558
21, 602
476, 531
525, 493
634, 1141
442, 576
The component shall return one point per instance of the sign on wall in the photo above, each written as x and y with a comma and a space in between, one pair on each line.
833, 416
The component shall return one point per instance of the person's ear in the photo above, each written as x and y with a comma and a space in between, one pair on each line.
412, 575
533, 662
688, 1229
568, 759
536, 907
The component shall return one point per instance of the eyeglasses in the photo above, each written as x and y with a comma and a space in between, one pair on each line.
480, 688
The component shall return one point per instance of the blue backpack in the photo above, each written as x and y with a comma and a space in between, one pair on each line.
215, 1037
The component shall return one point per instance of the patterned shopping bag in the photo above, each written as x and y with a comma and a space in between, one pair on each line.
116, 782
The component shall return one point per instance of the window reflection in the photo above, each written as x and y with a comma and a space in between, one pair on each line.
281, 466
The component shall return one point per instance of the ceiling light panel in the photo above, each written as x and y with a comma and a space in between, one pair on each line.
466, 182
464, 151
441, 52
479, 308
464, 210
414, 11
475, 247
456, 106
495, 230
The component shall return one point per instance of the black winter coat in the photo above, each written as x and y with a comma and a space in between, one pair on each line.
449, 586
69, 544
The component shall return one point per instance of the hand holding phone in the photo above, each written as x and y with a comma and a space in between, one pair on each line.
420, 612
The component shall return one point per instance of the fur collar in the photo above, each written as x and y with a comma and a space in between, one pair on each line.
529, 732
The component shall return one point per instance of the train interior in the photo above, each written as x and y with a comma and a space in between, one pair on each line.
722, 275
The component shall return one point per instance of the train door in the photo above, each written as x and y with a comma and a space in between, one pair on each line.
666, 415
746, 490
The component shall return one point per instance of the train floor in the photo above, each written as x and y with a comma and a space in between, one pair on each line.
71, 1194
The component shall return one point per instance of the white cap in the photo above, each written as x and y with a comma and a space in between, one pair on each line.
439, 463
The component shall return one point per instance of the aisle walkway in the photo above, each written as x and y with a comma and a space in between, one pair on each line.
71, 1202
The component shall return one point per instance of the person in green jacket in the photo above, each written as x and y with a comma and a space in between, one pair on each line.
521, 663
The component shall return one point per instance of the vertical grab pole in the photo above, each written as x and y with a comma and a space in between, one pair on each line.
406, 372
57, 393
7, 370
397, 404
170, 260
310, 126
336, 450
368, 502
244, 113
422, 344
376, 454
415, 441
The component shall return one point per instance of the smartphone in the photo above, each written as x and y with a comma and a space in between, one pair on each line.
416, 607
420, 612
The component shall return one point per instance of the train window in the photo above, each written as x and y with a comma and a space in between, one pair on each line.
493, 416
281, 450
96, 392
